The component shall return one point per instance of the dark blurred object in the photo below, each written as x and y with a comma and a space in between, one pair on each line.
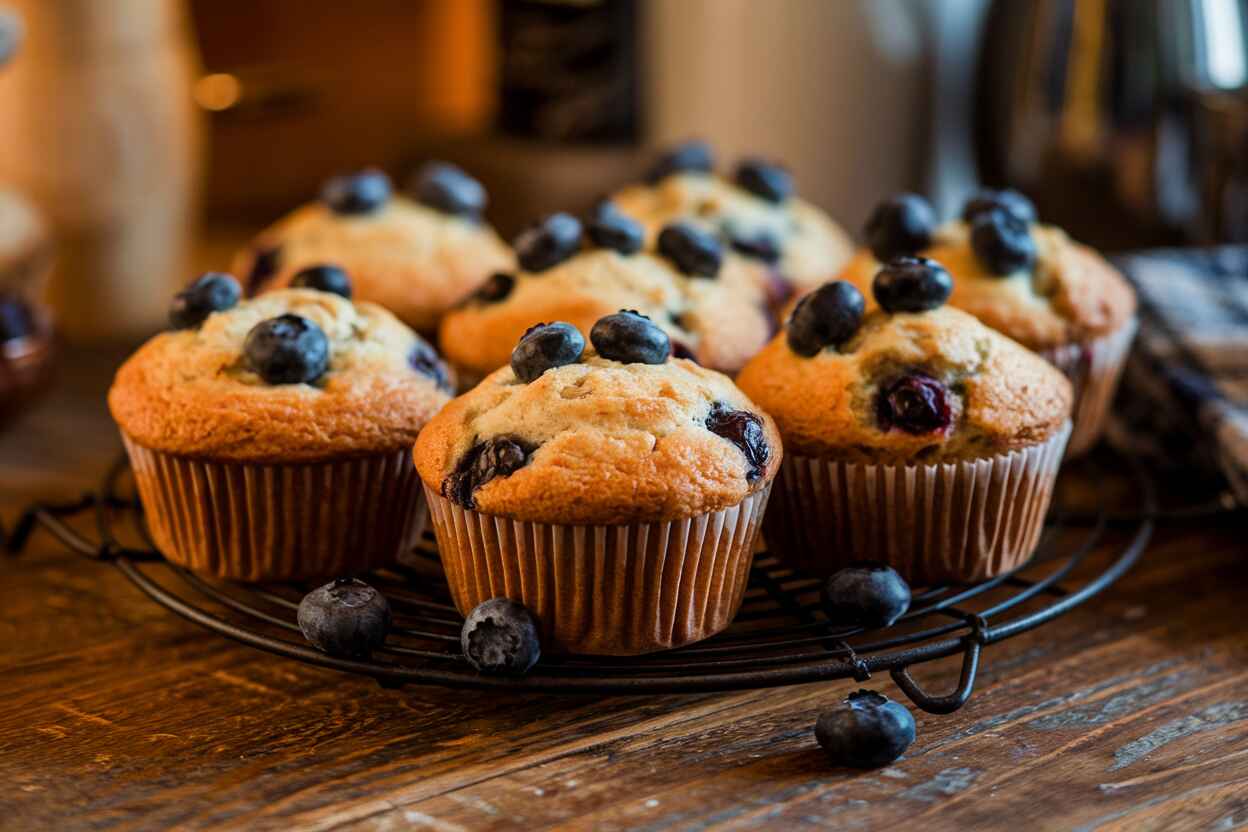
26, 337
1126, 120
10, 34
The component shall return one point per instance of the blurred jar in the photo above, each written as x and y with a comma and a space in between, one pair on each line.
100, 129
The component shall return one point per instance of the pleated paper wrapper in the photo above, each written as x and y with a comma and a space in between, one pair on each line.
254, 522
952, 522
604, 590
1093, 369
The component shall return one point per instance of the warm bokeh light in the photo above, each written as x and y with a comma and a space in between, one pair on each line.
216, 92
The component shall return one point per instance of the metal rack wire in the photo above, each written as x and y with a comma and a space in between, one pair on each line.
780, 637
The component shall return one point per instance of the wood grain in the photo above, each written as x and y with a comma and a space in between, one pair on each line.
1130, 713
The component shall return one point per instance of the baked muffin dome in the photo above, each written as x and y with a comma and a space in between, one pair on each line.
191, 392
415, 258
603, 442
788, 244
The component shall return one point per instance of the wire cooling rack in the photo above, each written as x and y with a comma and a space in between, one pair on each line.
780, 636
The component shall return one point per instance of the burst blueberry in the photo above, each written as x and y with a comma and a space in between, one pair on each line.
210, 292
911, 284
866, 595
357, 193
324, 277
867, 730
608, 227
500, 637
544, 347
1002, 242
745, 430
915, 403
766, 180
548, 243
827, 317
689, 157
288, 349
1008, 200
485, 461
446, 188
345, 618
630, 337
695, 251
900, 225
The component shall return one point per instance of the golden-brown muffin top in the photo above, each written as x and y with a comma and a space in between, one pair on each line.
191, 391
603, 442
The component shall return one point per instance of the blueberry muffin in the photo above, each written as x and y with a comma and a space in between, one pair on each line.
1027, 280
416, 257
914, 434
269, 438
614, 491
788, 245
710, 308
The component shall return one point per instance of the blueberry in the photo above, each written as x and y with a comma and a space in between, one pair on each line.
901, 224
288, 349
16, 319
499, 457
324, 277
500, 637
759, 245
211, 292
446, 188
548, 243
911, 284
767, 181
827, 317
357, 193
688, 157
346, 618
867, 730
631, 338
695, 252
866, 595
778, 290
745, 430
1002, 242
682, 350
265, 261
544, 347
425, 361
609, 228
1010, 201
915, 403
494, 290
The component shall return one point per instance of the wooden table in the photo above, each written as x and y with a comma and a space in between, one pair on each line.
1129, 713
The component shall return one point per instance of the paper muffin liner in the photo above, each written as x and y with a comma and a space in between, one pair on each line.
949, 522
254, 522
604, 590
1094, 369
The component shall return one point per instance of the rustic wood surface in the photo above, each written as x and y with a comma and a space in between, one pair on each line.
1129, 713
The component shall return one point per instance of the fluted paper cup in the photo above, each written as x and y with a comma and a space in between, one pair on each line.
258, 522
604, 590
1093, 369
950, 522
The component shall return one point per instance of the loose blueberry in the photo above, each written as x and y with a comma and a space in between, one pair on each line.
16, 319
915, 403
1008, 200
867, 730
324, 277
496, 289
499, 457
695, 252
500, 636
745, 430
265, 261
631, 338
827, 317
345, 618
211, 292
759, 245
1002, 242
866, 595
911, 284
544, 347
425, 361
689, 157
608, 227
899, 225
446, 188
288, 349
548, 243
357, 193
765, 180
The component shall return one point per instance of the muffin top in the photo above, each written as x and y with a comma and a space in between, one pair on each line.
1028, 280
293, 375
611, 433
710, 307
910, 381
417, 257
789, 244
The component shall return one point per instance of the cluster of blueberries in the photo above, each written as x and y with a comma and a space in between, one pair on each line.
438, 185
766, 180
288, 349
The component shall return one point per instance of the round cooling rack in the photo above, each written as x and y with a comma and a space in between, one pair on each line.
780, 636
